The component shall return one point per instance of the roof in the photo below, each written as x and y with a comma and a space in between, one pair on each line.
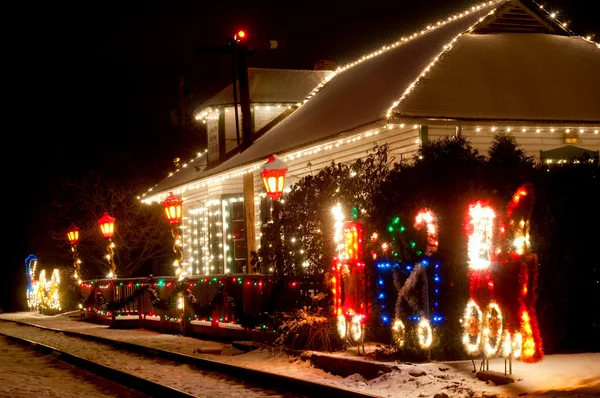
273, 86
511, 76
479, 76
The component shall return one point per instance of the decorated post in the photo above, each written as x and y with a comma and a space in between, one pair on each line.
107, 227
172, 205
73, 236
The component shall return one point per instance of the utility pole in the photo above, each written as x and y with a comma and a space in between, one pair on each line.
240, 46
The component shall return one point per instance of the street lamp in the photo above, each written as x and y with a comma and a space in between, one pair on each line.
273, 176
173, 210
73, 236
107, 226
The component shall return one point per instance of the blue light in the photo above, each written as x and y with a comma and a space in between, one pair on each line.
437, 266
437, 290
436, 278
409, 267
381, 281
381, 295
425, 262
384, 318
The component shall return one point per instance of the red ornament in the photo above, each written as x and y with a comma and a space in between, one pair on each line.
273, 176
172, 205
73, 234
107, 225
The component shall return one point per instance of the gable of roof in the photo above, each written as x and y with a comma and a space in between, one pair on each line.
510, 76
274, 86
357, 95
515, 17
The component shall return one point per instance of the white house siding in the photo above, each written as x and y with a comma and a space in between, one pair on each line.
531, 141
403, 142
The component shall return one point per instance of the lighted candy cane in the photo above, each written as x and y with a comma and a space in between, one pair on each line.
30, 266
426, 218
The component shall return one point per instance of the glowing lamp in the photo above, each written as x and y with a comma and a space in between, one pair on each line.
172, 205
73, 234
107, 225
273, 176
240, 35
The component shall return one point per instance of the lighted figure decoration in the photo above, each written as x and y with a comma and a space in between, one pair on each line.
273, 176
349, 283
30, 267
42, 294
425, 219
46, 291
173, 210
500, 317
107, 226
73, 236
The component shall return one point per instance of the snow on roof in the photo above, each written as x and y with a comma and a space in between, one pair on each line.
511, 76
357, 96
273, 86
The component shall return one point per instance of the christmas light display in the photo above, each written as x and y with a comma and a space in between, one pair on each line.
30, 267
107, 227
42, 294
500, 318
348, 281
73, 236
172, 206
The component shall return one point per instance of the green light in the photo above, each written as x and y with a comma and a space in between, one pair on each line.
419, 252
121, 284
396, 220
412, 244
391, 229
355, 212
402, 229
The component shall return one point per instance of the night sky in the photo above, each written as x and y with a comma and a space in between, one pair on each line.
86, 78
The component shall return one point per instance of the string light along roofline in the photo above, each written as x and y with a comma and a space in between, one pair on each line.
402, 40
430, 28
332, 144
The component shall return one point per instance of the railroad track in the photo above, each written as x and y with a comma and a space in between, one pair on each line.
162, 373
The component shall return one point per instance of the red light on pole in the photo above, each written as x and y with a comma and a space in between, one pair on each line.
172, 205
107, 225
240, 35
273, 176
73, 234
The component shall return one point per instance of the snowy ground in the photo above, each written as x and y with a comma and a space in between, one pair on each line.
575, 375
26, 373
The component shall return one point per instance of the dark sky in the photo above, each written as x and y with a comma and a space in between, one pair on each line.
88, 77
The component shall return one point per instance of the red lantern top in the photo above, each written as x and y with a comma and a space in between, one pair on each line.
73, 234
172, 205
107, 225
273, 176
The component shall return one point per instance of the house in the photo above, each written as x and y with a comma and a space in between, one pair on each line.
505, 65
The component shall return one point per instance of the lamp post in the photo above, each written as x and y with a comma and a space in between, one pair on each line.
173, 211
273, 176
73, 236
107, 226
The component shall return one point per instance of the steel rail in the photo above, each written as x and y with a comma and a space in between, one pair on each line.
267, 380
134, 382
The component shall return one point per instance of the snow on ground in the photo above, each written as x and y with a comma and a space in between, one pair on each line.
162, 341
180, 376
26, 373
573, 375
